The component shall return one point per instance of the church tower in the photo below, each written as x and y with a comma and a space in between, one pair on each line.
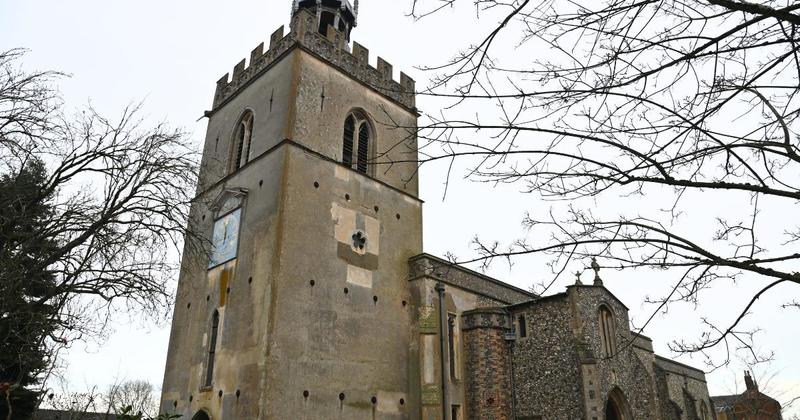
308, 193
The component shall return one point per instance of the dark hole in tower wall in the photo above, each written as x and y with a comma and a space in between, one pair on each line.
325, 20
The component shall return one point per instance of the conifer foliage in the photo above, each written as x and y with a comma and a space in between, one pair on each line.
92, 213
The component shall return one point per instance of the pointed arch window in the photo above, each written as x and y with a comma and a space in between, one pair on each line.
242, 141
212, 349
347, 142
356, 142
607, 332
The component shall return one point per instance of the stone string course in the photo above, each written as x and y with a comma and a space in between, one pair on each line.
332, 49
490, 290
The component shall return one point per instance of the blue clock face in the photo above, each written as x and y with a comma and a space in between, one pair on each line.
225, 239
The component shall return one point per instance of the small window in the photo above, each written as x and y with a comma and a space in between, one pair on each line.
242, 141
607, 332
455, 412
212, 349
451, 337
356, 143
523, 328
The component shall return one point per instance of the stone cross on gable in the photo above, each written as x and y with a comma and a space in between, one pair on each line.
596, 267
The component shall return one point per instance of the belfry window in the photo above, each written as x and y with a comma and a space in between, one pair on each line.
607, 332
242, 140
326, 19
212, 349
363, 148
356, 143
347, 142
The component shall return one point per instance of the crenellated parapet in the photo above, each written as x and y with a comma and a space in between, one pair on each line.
332, 48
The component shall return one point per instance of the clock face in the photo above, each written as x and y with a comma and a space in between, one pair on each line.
225, 239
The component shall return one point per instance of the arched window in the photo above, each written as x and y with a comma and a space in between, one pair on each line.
242, 139
607, 332
356, 142
347, 142
617, 407
201, 415
212, 349
363, 148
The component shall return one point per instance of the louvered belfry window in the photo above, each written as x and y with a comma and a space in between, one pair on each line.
242, 141
356, 143
363, 148
347, 143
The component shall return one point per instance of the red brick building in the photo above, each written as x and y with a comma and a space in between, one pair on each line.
749, 405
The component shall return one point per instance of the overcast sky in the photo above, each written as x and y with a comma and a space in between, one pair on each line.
169, 55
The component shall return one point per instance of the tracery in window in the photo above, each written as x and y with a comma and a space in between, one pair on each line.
356, 142
242, 140
607, 332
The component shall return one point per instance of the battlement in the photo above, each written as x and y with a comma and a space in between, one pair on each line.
333, 49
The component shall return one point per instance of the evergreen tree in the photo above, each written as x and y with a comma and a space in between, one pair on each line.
27, 318
91, 209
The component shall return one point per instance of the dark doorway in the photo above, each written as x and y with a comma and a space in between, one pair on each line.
617, 406
201, 415
612, 411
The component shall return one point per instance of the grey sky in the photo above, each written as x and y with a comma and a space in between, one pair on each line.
170, 53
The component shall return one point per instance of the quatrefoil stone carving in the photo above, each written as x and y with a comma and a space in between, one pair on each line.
359, 241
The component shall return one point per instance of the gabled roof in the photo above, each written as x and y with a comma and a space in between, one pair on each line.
724, 402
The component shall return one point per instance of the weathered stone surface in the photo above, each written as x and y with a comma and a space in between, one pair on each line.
303, 35
330, 310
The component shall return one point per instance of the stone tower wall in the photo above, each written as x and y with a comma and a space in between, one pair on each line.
240, 291
301, 88
311, 326
338, 336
